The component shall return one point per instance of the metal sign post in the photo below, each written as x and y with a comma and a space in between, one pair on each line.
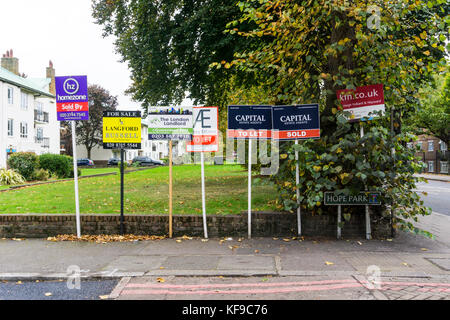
249, 123
170, 189
121, 130
368, 231
72, 104
297, 181
339, 219
205, 228
121, 189
249, 213
75, 178
205, 139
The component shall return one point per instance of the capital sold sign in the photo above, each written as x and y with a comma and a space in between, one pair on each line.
72, 101
296, 122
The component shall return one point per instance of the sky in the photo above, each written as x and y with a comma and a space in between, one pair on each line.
64, 32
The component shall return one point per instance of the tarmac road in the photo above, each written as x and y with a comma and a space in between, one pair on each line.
438, 195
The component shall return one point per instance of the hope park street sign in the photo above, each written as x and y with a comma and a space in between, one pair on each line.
363, 198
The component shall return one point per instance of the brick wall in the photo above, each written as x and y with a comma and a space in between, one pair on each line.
263, 224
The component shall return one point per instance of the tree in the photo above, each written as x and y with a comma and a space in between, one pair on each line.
169, 46
434, 113
90, 132
318, 47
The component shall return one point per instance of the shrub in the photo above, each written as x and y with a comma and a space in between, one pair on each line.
59, 165
125, 165
41, 174
25, 163
10, 176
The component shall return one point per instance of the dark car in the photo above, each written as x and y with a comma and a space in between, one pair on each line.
113, 161
85, 162
146, 161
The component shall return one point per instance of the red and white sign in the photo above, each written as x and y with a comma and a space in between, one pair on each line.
362, 101
206, 130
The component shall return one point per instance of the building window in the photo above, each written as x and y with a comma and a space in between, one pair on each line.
10, 95
10, 127
23, 130
39, 134
420, 145
430, 166
444, 166
443, 145
24, 101
431, 145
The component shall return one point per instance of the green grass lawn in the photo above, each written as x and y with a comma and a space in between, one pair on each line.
146, 192
93, 171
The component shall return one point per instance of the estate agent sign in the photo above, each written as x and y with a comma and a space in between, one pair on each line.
206, 130
72, 101
170, 123
121, 129
296, 122
362, 101
249, 122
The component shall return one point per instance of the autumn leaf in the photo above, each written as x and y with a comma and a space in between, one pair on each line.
328, 263
161, 280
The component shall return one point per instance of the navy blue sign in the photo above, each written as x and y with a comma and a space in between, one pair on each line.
296, 122
249, 122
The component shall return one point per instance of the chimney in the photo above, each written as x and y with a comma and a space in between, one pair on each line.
51, 74
9, 62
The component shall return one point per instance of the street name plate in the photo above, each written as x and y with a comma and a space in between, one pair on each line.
363, 198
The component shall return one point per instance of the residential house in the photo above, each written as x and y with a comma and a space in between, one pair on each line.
27, 111
434, 153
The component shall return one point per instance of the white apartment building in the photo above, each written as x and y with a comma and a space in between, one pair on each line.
28, 120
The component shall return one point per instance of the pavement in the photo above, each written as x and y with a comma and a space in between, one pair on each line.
408, 267
435, 177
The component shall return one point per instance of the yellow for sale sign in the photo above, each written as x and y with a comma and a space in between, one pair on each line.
121, 129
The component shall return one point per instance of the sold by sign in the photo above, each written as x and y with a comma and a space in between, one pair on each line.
249, 122
72, 101
296, 122
206, 130
363, 101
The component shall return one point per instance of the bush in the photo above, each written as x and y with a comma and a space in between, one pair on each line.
41, 174
10, 176
125, 165
59, 165
25, 163
71, 172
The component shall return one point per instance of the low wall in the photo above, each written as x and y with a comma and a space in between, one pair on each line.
263, 225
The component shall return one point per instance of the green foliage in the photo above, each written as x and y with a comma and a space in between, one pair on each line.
125, 165
24, 163
10, 176
41, 174
434, 113
59, 165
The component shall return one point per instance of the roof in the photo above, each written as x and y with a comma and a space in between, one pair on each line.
38, 86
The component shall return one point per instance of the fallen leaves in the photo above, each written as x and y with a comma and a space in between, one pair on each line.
48, 294
328, 263
104, 238
103, 297
161, 280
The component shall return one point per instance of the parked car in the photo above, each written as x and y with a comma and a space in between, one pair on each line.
146, 161
113, 161
85, 162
